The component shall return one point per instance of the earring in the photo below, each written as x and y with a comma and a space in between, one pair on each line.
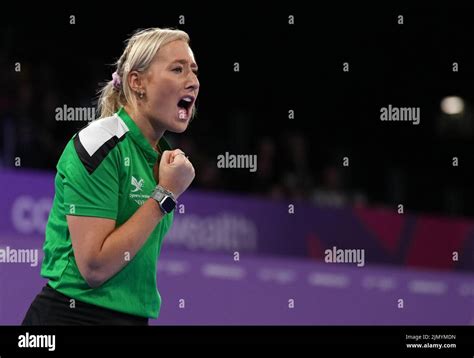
141, 94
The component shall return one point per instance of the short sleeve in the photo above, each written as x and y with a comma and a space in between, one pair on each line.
91, 193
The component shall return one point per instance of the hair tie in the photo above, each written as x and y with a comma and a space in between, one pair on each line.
116, 82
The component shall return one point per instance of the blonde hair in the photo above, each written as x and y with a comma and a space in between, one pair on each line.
139, 52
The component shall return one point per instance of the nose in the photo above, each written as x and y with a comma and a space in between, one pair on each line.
193, 83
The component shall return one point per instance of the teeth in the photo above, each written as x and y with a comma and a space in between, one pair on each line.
187, 99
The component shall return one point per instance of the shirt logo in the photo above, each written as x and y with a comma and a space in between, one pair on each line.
137, 184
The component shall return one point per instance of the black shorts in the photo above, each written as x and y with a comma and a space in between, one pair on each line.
51, 307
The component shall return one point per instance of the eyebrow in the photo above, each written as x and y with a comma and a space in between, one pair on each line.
185, 62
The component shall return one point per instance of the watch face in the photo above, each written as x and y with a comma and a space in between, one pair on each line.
168, 204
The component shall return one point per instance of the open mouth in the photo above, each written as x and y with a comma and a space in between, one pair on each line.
184, 107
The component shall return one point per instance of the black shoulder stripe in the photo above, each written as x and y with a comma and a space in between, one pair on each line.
92, 162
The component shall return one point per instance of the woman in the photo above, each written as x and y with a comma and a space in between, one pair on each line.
116, 185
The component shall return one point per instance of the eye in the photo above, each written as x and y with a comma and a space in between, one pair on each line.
177, 69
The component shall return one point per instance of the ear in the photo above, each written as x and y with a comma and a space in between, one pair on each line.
135, 81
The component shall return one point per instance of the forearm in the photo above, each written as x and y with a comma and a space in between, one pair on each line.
121, 246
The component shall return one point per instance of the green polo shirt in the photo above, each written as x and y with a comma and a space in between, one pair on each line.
106, 170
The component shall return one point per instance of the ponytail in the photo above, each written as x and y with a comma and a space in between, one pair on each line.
109, 100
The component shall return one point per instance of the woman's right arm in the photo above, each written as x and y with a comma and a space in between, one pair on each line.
101, 250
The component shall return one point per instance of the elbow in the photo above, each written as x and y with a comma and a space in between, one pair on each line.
93, 282
93, 279
93, 276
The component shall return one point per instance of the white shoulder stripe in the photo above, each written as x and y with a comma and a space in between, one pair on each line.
100, 131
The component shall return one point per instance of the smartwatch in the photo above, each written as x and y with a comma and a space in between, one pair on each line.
164, 198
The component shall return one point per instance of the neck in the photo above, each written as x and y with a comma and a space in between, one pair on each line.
151, 131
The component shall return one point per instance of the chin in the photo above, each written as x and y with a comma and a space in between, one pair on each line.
178, 128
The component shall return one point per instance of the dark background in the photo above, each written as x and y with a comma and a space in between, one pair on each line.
282, 67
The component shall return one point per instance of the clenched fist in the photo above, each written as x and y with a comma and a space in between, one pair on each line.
175, 172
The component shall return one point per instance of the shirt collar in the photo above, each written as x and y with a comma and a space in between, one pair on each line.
140, 139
